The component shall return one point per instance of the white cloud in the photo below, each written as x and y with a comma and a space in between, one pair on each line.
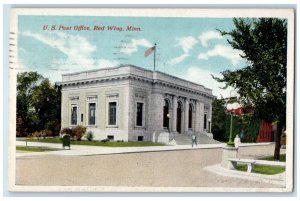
177, 60
207, 36
203, 77
203, 56
223, 51
186, 43
134, 44
70, 45
105, 63
77, 49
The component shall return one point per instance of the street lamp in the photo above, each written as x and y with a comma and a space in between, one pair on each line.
230, 108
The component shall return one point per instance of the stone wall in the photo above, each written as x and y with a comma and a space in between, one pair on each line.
254, 150
101, 129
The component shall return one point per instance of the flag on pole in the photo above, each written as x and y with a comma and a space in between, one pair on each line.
149, 51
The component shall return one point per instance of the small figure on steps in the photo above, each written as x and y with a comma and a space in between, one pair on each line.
194, 140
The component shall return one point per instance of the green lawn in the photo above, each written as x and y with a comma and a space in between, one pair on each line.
268, 170
35, 149
271, 158
98, 143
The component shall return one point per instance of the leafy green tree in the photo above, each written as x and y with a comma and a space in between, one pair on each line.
262, 83
221, 121
219, 118
38, 104
26, 84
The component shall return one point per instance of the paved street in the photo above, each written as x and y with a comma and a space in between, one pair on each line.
173, 168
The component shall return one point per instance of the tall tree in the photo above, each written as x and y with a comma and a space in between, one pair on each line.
219, 119
38, 104
262, 83
26, 84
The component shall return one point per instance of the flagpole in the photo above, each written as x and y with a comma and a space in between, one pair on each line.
154, 54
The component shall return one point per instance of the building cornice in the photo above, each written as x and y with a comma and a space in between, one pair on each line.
134, 73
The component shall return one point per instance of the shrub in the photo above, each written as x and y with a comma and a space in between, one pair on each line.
48, 133
53, 126
36, 134
43, 134
105, 140
90, 136
66, 131
78, 132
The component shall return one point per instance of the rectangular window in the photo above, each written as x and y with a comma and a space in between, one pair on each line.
74, 114
112, 113
139, 114
205, 121
92, 113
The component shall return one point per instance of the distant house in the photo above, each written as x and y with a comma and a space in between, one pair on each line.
265, 132
134, 104
262, 129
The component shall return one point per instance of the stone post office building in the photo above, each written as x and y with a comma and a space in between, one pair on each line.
130, 103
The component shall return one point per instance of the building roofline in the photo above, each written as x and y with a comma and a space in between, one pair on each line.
137, 67
108, 68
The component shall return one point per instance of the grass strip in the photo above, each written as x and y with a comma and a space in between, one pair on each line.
57, 140
35, 149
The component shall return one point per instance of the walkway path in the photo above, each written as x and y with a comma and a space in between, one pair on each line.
82, 150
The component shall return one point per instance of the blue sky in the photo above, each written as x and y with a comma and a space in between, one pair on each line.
189, 48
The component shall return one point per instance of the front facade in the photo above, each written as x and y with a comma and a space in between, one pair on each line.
134, 104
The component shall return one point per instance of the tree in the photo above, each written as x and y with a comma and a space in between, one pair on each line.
26, 83
262, 83
219, 119
38, 104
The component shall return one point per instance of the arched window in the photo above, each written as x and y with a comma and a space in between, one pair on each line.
190, 115
166, 114
179, 117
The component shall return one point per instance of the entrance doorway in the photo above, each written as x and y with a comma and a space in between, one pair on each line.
179, 110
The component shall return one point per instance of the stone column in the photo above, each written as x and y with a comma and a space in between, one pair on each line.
228, 152
197, 116
186, 116
201, 118
174, 114
156, 112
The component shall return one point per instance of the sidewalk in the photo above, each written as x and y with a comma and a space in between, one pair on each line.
82, 150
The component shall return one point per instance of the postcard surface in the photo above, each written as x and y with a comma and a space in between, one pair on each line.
151, 100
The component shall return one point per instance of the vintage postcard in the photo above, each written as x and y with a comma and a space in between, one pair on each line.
151, 100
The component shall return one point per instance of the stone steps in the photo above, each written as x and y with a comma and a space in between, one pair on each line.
186, 139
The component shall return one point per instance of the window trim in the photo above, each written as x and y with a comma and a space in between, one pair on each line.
88, 113
72, 105
91, 99
107, 115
